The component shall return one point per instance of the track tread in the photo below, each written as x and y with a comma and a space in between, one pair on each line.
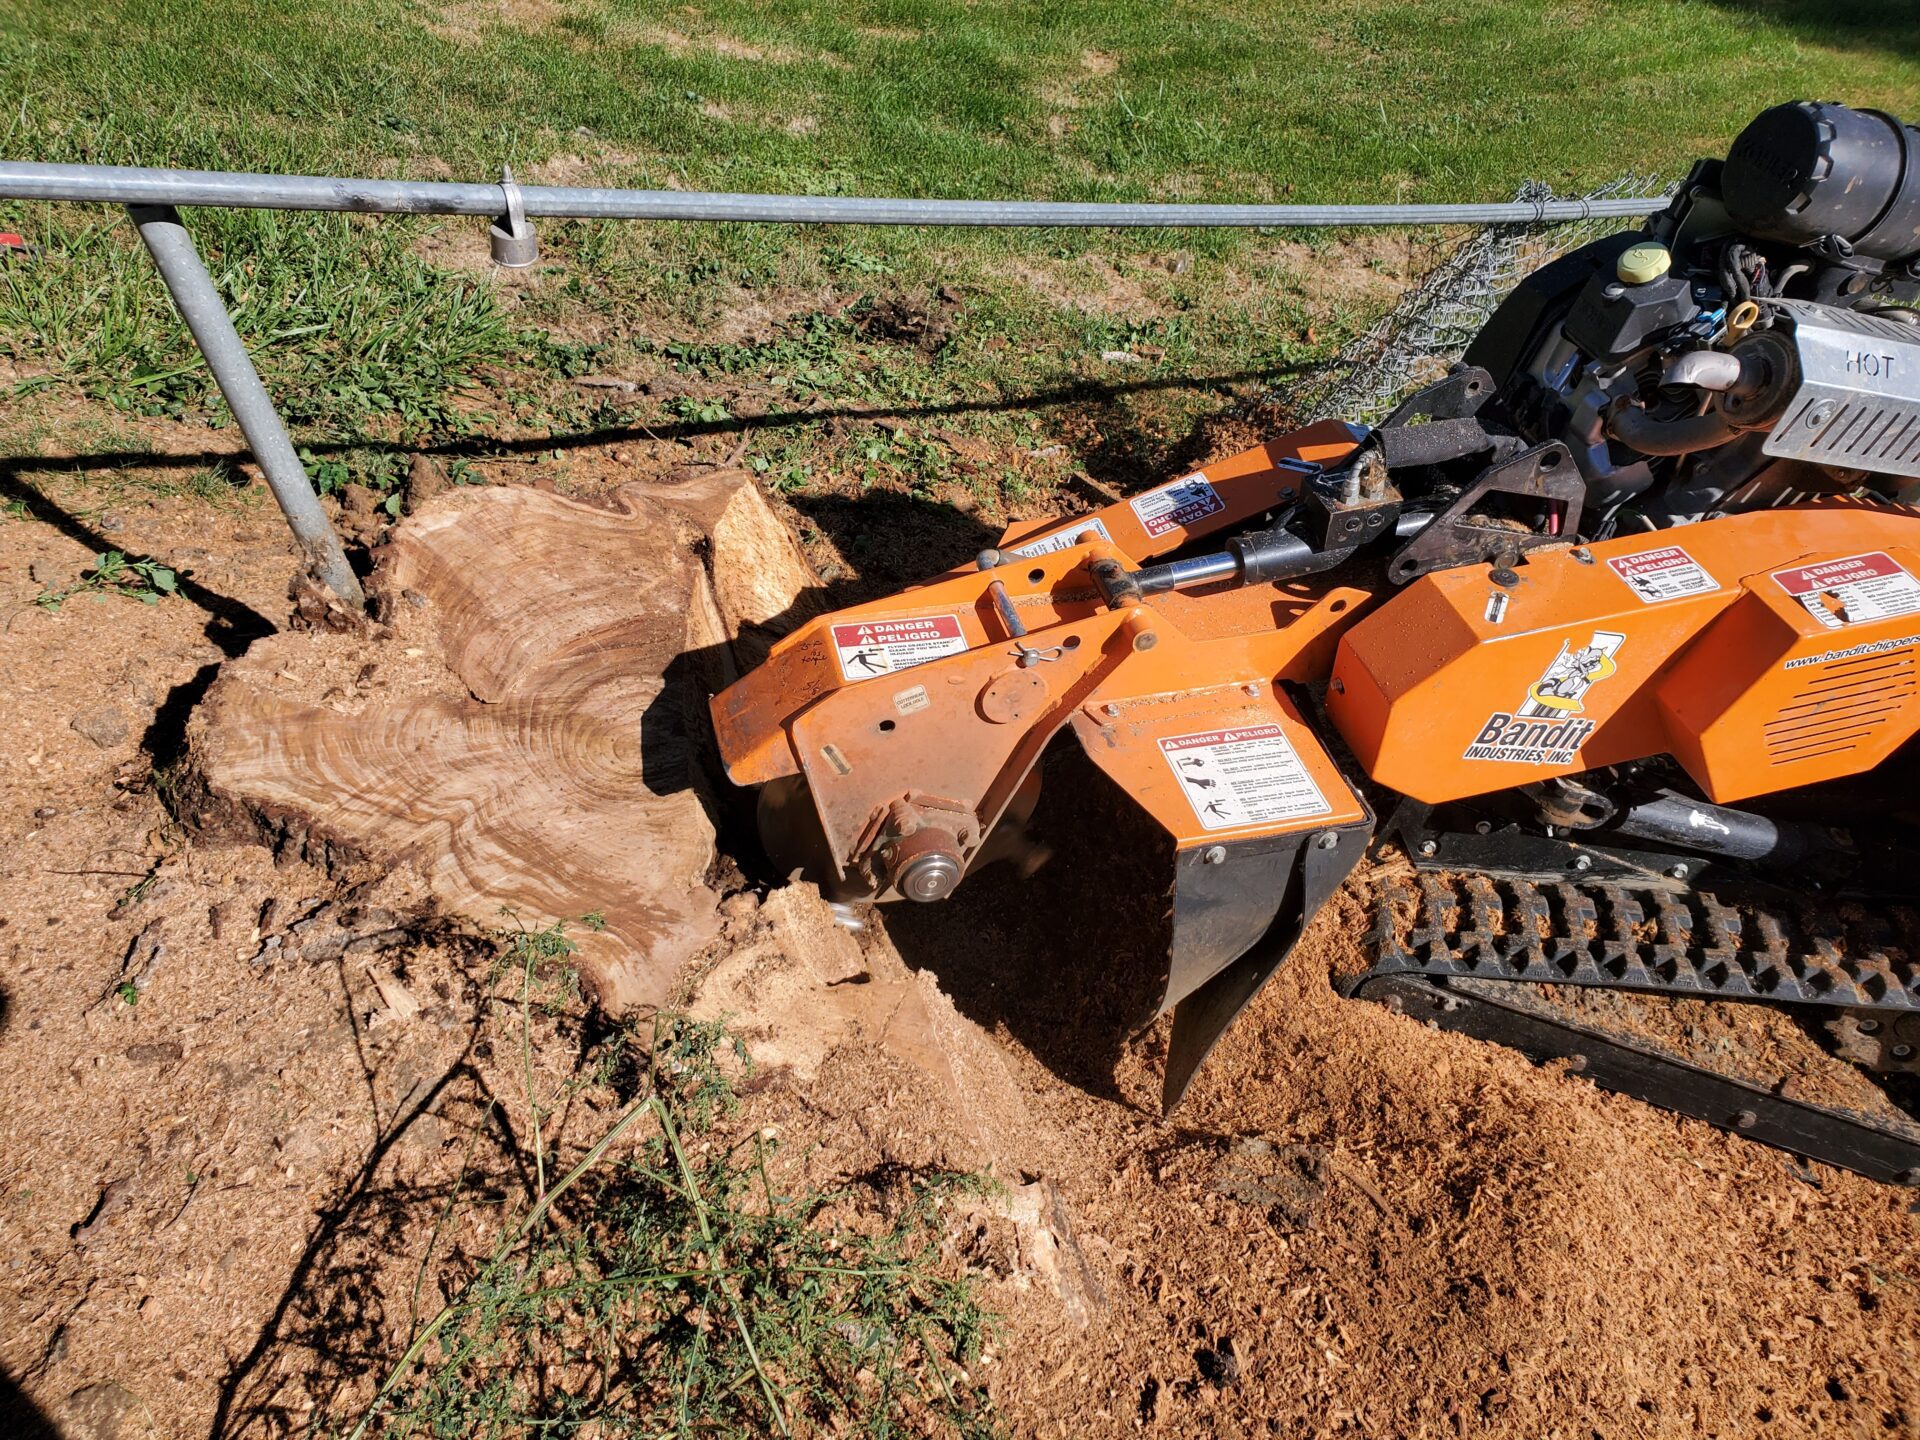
1689, 943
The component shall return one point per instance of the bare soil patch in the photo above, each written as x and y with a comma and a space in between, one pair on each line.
468, 20
675, 42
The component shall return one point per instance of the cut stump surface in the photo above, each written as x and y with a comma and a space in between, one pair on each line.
525, 730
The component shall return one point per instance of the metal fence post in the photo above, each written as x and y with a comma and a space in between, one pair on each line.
206, 315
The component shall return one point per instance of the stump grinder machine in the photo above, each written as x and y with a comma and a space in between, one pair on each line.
1607, 642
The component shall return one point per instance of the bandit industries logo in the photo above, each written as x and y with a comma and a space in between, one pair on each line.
1547, 728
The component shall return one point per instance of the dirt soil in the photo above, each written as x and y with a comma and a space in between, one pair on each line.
235, 1102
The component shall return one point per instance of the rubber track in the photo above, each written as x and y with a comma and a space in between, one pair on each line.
1679, 943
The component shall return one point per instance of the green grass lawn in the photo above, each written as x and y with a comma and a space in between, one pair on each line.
382, 335
1314, 100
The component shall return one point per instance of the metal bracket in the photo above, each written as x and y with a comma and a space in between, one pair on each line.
511, 237
1456, 536
1457, 396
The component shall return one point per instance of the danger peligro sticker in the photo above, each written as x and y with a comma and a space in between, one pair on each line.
1668, 573
1852, 591
883, 647
1250, 775
1177, 504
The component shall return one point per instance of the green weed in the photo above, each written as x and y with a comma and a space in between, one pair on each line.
706, 412
115, 574
676, 1289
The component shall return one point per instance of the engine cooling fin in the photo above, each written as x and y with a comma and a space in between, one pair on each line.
1487, 956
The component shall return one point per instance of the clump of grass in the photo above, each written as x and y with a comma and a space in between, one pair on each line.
675, 1288
114, 573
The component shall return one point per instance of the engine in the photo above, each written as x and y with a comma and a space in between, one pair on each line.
1755, 346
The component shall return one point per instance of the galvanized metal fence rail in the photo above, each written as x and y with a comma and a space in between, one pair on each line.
152, 198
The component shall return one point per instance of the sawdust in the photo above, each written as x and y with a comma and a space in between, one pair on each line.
1460, 1241
1764, 1046
871, 1041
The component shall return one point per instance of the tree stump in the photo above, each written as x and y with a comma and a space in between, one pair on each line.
524, 728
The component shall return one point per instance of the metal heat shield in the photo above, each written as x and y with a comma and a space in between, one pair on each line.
1858, 406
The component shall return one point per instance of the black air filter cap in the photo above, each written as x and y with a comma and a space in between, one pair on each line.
1810, 169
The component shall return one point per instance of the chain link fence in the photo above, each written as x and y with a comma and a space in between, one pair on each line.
1432, 324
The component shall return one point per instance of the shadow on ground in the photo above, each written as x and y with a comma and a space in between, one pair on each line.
232, 625
20, 1417
1086, 393
1071, 960
1889, 25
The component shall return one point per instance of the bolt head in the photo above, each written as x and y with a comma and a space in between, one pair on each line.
1679, 872
1327, 841
1214, 855
1110, 711
1429, 847
1745, 1120
1583, 863
1903, 1052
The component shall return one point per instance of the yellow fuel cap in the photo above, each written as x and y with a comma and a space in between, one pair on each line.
1646, 261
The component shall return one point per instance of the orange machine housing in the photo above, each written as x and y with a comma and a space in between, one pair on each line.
1764, 651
